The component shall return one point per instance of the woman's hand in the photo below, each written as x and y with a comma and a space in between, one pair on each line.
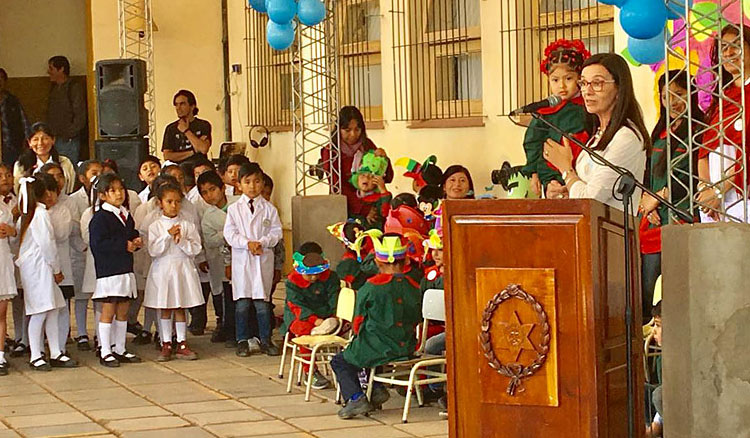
380, 152
535, 185
648, 204
710, 202
555, 190
559, 155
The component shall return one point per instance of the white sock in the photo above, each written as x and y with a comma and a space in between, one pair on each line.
98, 316
149, 319
120, 335
2, 356
166, 330
181, 328
36, 325
81, 309
52, 330
63, 325
105, 330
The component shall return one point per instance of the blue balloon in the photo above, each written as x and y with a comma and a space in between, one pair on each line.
258, 5
643, 19
281, 11
648, 51
617, 3
676, 8
311, 12
280, 36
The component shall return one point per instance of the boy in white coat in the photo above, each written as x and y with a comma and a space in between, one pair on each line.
252, 229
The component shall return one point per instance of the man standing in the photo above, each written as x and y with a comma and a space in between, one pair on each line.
188, 136
14, 124
66, 109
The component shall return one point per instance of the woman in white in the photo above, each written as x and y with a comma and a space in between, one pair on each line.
42, 151
173, 284
7, 277
39, 266
620, 137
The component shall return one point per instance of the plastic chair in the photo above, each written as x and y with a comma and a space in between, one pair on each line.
323, 347
413, 373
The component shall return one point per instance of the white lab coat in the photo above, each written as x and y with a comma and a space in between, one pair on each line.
62, 226
89, 274
214, 244
173, 281
38, 262
7, 268
77, 202
252, 276
200, 205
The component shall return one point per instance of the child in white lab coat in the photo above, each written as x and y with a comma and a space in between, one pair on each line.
7, 275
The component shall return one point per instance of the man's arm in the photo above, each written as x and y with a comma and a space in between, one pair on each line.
201, 144
78, 106
177, 156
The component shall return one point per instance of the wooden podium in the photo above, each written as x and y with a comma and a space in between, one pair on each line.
535, 300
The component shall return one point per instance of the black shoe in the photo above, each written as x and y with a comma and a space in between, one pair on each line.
379, 396
142, 338
243, 349
40, 364
109, 361
19, 350
82, 343
127, 357
270, 349
63, 361
353, 408
135, 329
431, 396
3, 368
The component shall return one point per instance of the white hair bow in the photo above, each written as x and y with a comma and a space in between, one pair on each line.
23, 195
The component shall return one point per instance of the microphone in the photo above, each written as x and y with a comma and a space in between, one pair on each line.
552, 100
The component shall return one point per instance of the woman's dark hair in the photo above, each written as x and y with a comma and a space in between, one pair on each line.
404, 199
454, 169
210, 177
346, 115
190, 99
166, 188
680, 78
626, 110
112, 164
35, 191
60, 62
27, 159
726, 77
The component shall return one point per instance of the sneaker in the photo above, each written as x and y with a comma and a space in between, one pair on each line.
82, 343
183, 352
319, 381
353, 408
165, 354
255, 345
270, 349
243, 349
142, 338
379, 396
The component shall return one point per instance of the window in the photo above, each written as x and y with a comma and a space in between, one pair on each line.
269, 77
437, 55
360, 72
528, 26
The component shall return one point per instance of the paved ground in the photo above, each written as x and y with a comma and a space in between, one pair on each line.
219, 395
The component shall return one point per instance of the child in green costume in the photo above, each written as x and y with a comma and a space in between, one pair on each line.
371, 191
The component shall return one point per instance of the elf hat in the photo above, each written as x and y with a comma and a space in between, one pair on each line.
434, 241
425, 173
404, 217
310, 264
371, 163
338, 230
390, 248
372, 234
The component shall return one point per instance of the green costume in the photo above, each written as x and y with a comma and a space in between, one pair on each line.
350, 270
658, 182
432, 280
388, 309
306, 302
570, 117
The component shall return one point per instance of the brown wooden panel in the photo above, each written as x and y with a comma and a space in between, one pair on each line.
517, 336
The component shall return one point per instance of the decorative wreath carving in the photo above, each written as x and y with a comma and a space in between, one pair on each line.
515, 371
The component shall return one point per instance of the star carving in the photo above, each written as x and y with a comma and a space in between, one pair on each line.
515, 336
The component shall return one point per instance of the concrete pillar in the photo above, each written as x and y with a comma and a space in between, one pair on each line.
311, 215
706, 318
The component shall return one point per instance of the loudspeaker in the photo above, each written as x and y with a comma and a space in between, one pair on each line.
120, 85
128, 154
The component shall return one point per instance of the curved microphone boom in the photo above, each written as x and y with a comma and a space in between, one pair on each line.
552, 100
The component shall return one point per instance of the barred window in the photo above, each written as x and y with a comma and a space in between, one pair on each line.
528, 26
360, 72
437, 64
269, 77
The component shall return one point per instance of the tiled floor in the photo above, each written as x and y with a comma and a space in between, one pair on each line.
219, 395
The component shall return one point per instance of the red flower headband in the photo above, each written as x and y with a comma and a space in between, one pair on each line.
564, 51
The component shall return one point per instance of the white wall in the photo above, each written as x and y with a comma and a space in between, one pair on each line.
32, 31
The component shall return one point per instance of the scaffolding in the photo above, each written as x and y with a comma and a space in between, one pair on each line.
721, 193
136, 28
315, 106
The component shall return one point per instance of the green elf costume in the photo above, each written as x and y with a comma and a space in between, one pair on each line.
433, 278
569, 115
381, 201
386, 314
350, 267
306, 301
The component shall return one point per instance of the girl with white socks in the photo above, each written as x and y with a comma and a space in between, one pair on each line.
7, 277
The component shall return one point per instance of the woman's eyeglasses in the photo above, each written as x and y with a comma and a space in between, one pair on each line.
596, 84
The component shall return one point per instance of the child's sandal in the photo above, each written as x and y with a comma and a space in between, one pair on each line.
127, 357
19, 350
39, 364
109, 361
63, 361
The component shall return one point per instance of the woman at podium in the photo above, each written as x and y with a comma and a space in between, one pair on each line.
620, 135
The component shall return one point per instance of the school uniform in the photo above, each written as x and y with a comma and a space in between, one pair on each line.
77, 202
88, 286
62, 226
38, 262
173, 281
110, 230
144, 194
8, 288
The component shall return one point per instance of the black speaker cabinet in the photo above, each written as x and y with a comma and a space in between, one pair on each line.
120, 86
127, 153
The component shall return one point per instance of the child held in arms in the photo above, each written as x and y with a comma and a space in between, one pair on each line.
562, 63
371, 191
312, 291
386, 314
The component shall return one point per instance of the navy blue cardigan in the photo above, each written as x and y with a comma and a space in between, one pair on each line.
108, 241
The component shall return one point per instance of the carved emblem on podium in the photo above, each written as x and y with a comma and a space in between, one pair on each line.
514, 337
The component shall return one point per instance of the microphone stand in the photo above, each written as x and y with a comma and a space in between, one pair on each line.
626, 188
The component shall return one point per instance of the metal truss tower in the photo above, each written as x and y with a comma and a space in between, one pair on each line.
315, 106
726, 185
136, 41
